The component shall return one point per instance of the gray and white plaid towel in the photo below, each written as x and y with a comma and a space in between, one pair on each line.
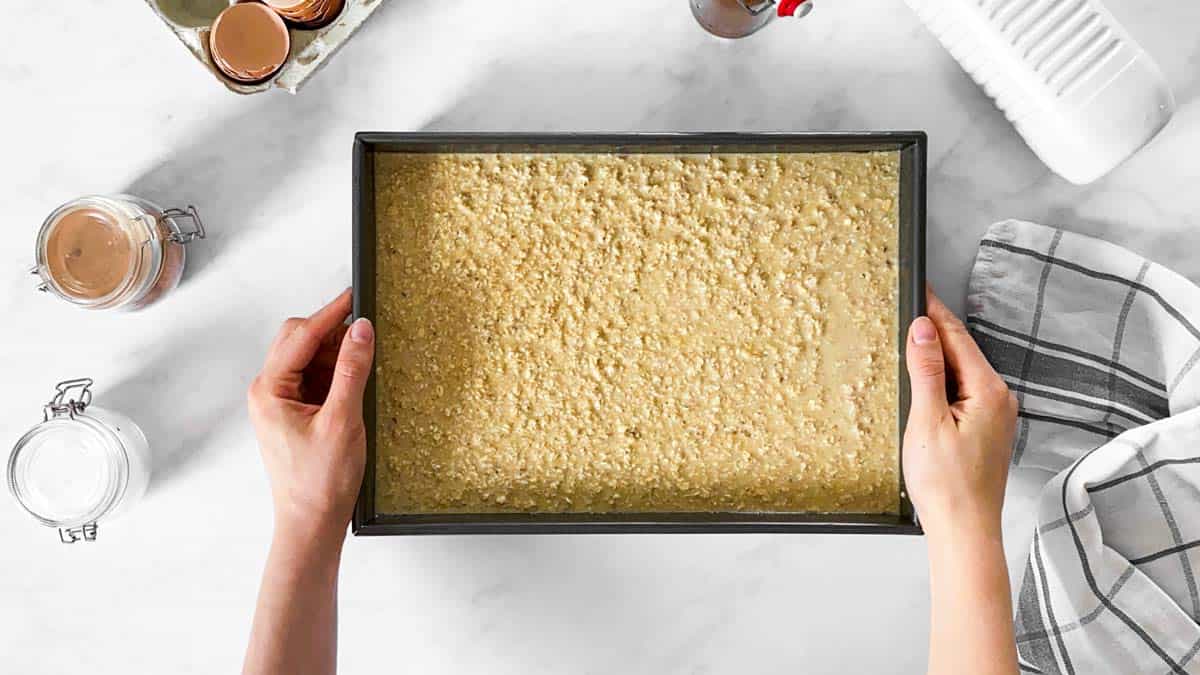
1100, 347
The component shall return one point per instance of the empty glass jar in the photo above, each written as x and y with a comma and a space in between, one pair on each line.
82, 464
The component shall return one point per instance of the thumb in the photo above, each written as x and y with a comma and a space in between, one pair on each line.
926, 370
352, 370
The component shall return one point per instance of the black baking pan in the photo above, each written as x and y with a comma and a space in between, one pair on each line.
912, 148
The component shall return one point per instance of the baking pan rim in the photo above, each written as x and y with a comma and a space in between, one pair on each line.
912, 146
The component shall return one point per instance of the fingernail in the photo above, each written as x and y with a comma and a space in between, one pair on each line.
923, 330
361, 330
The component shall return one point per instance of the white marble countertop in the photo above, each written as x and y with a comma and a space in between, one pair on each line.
99, 97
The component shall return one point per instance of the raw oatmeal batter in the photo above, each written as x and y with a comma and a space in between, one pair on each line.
637, 333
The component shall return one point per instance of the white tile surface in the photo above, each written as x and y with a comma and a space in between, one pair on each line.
98, 96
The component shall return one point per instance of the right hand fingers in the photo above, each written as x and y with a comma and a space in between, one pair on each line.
926, 371
973, 375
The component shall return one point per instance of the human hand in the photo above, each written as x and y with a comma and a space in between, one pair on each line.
956, 453
306, 407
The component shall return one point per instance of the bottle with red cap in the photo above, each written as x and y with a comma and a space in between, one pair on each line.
738, 18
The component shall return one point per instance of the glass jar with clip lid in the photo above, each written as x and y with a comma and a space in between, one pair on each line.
82, 464
114, 251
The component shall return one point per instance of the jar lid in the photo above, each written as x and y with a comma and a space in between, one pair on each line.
70, 469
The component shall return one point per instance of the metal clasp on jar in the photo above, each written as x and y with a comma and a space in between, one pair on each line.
175, 214
62, 405
42, 286
70, 535
189, 213
175, 233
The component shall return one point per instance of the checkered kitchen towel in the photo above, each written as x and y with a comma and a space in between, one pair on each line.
1101, 348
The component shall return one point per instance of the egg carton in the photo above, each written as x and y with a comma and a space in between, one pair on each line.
191, 20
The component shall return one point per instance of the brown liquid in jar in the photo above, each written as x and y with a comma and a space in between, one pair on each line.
88, 253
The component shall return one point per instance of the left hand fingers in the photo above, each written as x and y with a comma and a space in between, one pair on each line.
345, 399
293, 352
327, 355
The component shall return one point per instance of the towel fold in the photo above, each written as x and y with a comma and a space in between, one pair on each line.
1101, 348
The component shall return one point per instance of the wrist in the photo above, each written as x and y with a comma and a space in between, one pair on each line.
959, 516
963, 531
314, 539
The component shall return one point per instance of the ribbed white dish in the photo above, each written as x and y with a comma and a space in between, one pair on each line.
1071, 80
